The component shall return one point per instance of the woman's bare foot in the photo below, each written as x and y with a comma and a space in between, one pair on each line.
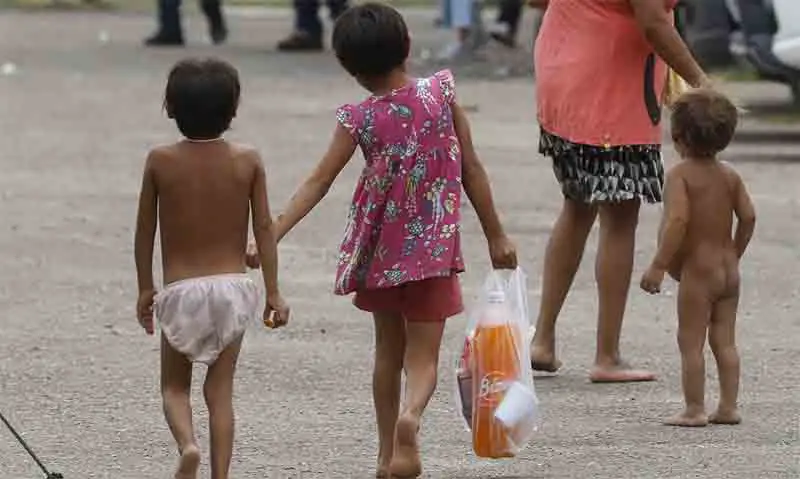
686, 419
188, 463
405, 460
619, 373
544, 359
725, 417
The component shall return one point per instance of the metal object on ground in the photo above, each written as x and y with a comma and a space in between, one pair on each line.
48, 474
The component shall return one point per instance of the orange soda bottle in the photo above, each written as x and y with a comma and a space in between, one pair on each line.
496, 366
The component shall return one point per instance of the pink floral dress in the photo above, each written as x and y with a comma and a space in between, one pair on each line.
404, 220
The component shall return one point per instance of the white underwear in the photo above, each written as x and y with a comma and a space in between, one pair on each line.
202, 316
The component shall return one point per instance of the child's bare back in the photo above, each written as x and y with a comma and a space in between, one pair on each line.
708, 255
696, 247
204, 194
201, 191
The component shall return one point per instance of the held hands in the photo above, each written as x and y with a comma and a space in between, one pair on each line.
652, 280
503, 253
251, 258
144, 310
276, 314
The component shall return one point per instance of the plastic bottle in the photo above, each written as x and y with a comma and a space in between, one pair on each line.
496, 367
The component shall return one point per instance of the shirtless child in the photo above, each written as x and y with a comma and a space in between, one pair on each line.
695, 247
200, 192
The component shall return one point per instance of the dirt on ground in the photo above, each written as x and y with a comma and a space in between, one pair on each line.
79, 378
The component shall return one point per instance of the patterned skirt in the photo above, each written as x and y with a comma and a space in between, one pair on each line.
592, 174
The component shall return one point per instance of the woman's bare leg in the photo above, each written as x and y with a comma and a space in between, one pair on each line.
613, 269
218, 391
561, 261
176, 386
390, 345
423, 340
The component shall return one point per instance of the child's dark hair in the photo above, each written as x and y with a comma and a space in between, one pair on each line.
371, 40
202, 97
703, 122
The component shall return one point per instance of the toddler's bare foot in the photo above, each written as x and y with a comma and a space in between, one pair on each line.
619, 373
728, 417
382, 472
405, 461
686, 419
544, 359
188, 463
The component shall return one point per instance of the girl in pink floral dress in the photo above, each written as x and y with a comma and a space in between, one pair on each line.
401, 251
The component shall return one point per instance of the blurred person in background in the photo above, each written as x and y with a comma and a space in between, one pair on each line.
170, 31
464, 18
308, 29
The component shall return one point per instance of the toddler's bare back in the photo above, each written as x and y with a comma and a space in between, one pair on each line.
708, 251
204, 204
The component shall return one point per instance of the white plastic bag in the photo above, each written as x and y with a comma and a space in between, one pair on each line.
495, 391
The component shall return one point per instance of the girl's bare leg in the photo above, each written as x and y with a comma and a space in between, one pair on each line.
561, 261
218, 392
176, 385
694, 314
613, 269
722, 337
390, 345
423, 340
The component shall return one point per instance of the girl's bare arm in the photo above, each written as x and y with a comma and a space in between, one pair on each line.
479, 191
316, 186
656, 24
475, 179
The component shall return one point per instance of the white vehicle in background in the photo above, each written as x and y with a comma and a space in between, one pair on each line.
786, 43
764, 33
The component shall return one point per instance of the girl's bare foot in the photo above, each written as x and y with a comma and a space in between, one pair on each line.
405, 461
188, 463
544, 359
726, 417
686, 419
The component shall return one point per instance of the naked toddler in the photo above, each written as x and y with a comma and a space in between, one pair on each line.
695, 246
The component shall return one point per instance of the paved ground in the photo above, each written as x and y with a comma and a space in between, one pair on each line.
79, 378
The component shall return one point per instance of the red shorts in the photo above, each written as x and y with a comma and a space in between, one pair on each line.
434, 299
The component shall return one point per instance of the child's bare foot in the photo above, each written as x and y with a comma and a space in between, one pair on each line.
726, 417
382, 472
620, 373
686, 419
405, 461
544, 359
188, 463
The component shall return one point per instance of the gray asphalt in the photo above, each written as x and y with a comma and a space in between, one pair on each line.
80, 379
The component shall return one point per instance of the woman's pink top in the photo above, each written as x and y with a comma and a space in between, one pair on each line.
598, 81
405, 216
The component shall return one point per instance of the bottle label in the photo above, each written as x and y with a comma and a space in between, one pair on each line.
493, 387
